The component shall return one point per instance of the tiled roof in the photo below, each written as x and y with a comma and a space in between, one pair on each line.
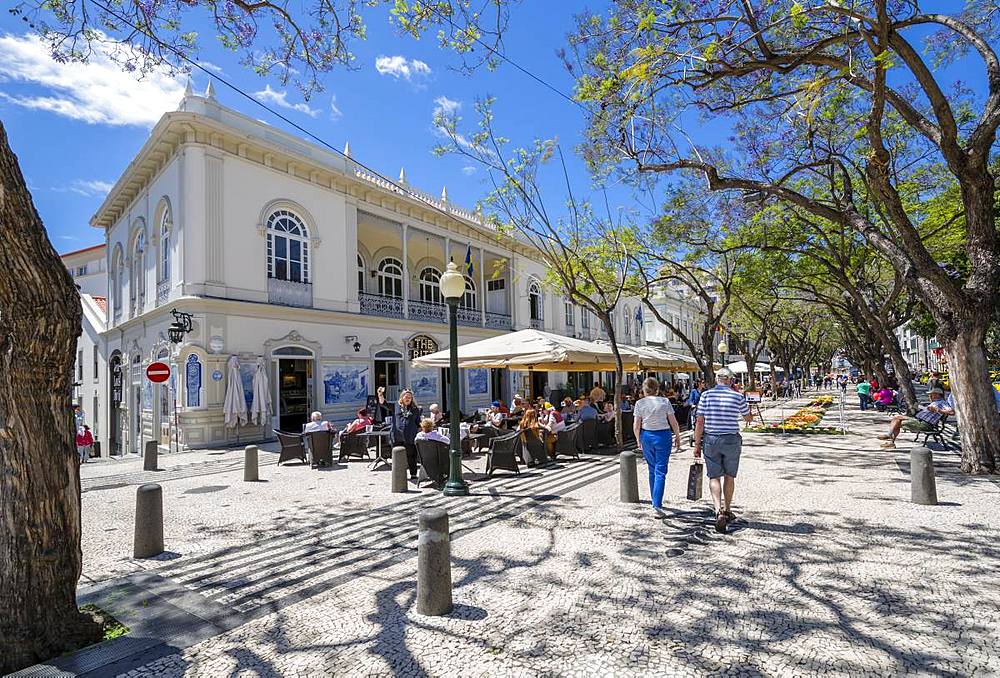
102, 303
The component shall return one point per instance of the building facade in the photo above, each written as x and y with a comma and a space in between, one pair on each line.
294, 257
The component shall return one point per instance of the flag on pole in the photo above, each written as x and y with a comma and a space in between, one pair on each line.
468, 261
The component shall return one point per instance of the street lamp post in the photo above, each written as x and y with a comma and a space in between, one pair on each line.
723, 349
452, 286
181, 326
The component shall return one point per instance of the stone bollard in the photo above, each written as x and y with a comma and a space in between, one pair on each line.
250, 474
148, 539
149, 459
433, 563
399, 469
923, 489
628, 481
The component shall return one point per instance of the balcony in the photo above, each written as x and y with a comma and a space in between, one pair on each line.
383, 306
162, 291
498, 321
537, 324
470, 317
428, 312
288, 293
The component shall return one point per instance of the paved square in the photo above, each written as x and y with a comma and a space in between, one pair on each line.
830, 569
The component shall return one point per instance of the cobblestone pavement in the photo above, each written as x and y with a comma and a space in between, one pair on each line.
830, 569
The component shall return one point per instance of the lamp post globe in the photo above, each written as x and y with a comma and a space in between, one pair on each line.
452, 285
723, 348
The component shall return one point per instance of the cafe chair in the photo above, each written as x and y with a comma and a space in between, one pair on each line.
291, 447
354, 445
321, 448
502, 454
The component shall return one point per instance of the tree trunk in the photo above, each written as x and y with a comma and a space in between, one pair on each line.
904, 378
39, 470
751, 364
975, 405
619, 376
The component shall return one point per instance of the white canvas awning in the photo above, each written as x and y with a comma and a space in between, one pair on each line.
545, 352
740, 367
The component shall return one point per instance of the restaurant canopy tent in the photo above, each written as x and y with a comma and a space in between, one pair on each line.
740, 367
545, 352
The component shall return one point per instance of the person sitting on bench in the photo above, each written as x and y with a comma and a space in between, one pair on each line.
925, 421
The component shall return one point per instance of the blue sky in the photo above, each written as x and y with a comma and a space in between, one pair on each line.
76, 128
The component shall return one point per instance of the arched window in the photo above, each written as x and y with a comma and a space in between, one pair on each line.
390, 278
430, 288
164, 263
361, 274
535, 300
287, 247
469, 299
117, 280
137, 284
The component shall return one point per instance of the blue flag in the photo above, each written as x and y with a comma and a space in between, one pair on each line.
468, 261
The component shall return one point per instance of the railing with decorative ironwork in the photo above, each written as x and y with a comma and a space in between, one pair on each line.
537, 324
162, 291
470, 316
428, 311
289, 293
498, 321
378, 304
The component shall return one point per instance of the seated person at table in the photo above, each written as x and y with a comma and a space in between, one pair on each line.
568, 407
587, 411
608, 414
358, 424
495, 417
517, 407
316, 423
885, 397
436, 415
925, 420
627, 404
529, 426
428, 432
551, 422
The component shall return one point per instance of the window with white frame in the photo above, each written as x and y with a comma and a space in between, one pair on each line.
535, 300
164, 245
390, 278
117, 280
287, 247
361, 274
570, 314
469, 299
585, 318
628, 322
430, 288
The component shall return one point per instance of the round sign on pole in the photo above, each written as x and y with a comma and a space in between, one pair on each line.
158, 372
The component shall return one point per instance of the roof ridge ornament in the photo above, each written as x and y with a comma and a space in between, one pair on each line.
210, 91
347, 150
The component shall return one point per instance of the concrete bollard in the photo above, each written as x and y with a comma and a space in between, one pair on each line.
150, 458
148, 538
627, 479
250, 474
923, 489
399, 469
433, 563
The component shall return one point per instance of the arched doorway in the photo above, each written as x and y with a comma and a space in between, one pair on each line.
389, 372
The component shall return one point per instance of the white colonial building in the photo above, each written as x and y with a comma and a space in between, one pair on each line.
292, 255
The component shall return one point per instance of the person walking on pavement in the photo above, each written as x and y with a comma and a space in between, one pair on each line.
864, 393
653, 422
718, 430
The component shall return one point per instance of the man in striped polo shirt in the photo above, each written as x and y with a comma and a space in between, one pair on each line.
718, 427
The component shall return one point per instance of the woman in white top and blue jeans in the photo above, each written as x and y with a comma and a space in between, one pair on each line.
653, 422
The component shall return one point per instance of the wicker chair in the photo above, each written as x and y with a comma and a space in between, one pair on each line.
321, 448
291, 446
587, 437
434, 458
502, 454
533, 449
566, 441
354, 445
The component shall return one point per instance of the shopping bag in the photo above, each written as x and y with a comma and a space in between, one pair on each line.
695, 475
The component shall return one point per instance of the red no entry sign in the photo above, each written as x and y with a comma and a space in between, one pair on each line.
158, 372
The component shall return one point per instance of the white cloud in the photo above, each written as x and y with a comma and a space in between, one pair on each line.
280, 98
469, 170
97, 92
335, 112
401, 67
208, 65
86, 187
445, 106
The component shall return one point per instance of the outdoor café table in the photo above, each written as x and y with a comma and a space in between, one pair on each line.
378, 436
